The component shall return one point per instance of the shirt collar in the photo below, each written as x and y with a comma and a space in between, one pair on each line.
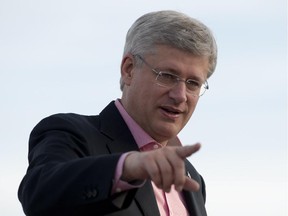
140, 136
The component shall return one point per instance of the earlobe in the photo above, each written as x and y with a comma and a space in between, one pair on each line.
127, 67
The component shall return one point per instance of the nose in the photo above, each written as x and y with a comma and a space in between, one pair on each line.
178, 92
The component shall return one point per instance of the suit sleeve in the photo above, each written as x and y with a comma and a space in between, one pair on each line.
203, 189
70, 170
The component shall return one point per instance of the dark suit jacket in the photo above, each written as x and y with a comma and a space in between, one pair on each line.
72, 161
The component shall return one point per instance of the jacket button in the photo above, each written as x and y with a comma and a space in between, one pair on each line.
94, 193
90, 194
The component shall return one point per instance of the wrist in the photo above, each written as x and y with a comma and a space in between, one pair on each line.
128, 173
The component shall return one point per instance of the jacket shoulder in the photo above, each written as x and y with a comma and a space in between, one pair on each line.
66, 121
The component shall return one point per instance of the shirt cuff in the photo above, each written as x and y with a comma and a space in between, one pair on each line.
120, 185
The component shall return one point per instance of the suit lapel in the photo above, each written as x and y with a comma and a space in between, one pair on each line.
191, 204
121, 140
115, 129
193, 199
146, 200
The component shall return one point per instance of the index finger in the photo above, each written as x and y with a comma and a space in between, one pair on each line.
188, 150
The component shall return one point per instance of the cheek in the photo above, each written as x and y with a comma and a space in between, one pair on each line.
149, 91
191, 107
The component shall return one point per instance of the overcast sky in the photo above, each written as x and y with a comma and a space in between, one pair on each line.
64, 56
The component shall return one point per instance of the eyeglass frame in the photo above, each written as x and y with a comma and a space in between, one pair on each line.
176, 79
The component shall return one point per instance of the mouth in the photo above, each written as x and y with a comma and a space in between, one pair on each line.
171, 112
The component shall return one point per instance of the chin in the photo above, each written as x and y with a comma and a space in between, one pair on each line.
168, 134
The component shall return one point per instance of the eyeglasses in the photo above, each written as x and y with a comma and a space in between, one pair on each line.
168, 79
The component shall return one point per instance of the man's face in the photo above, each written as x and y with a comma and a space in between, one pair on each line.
161, 111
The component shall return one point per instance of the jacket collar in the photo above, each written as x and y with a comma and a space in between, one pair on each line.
115, 129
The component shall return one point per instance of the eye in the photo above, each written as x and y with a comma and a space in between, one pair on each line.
193, 84
168, 76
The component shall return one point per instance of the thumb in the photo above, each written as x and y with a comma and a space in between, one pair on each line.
188, 150
191, 184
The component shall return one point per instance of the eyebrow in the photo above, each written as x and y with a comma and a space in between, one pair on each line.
171, 70
177, 73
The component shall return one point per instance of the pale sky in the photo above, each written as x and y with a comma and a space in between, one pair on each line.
64, 56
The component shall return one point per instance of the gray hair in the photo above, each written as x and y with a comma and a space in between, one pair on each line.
173, 29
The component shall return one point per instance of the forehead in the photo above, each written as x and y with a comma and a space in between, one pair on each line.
178, 61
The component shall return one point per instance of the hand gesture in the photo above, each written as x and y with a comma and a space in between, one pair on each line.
164, 166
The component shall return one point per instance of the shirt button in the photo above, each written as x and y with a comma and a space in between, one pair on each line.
155, 146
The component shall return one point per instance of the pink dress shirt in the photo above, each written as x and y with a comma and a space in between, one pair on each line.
171, 203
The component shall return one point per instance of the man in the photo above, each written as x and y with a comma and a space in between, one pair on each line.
128, 159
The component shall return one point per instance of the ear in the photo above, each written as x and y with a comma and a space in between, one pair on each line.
127, 66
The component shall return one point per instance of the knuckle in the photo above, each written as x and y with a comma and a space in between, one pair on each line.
154, 173
166, 170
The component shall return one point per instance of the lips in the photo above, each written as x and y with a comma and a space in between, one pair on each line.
171, 112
